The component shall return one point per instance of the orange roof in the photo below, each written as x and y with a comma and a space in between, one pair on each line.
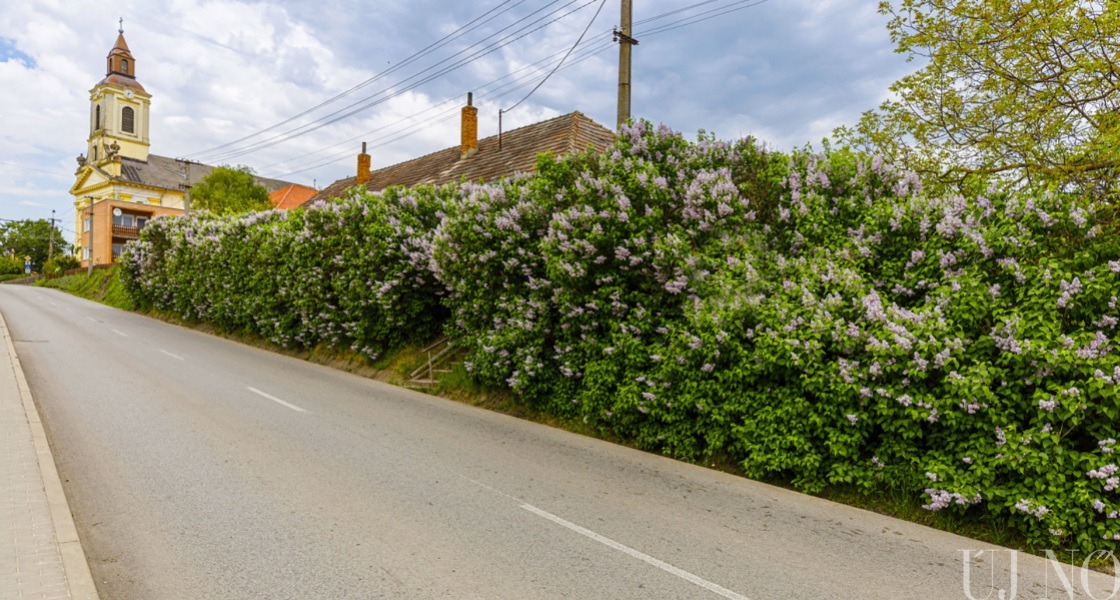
292, 196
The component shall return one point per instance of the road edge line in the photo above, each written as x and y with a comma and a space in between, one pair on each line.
79, 578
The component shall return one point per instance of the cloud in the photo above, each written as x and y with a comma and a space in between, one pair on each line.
785, 71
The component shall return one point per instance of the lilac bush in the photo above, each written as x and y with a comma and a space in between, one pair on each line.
817, 318
353, 274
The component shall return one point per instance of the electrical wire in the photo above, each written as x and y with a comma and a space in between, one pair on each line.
713, 13
462, 30
483, 94
370, 101
594, 51
561, 63
446, 116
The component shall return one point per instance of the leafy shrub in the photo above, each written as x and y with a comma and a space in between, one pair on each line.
10, 265
61, 263
351, 274
815, 317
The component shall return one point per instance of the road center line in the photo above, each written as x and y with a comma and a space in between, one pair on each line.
120, 333
704, 583
93, 319
275, 399
175, 356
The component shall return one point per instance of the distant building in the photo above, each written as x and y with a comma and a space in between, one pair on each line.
293, 196
119, 185
484, 160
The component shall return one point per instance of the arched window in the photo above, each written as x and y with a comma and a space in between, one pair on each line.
97, 117
128, 119
124, 66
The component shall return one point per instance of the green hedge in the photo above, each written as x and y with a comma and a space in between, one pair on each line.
814, 317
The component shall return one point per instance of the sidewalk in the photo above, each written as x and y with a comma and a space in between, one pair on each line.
40, 554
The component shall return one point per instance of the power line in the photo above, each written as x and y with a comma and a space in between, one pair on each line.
370, 101
585, 55
496, 94
561, 63
25, 168
713, 13
482, 93
462, 30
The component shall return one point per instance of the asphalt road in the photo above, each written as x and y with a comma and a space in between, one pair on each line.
200, 468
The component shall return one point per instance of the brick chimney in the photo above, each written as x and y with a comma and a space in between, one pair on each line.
363, 166
469, 129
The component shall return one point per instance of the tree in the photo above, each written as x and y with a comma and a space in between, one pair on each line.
1028, 90
31, 238
230, 191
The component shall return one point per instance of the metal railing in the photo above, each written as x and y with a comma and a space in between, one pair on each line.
126, 232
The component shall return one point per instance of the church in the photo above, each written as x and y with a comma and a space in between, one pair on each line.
119, 184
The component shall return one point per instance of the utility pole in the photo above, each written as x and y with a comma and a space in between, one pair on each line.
622, 36
50, 238
89, 266
186, 187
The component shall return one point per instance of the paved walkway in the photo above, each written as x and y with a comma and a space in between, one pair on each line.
40, 555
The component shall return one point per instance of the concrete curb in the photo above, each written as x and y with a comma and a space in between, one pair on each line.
78, 576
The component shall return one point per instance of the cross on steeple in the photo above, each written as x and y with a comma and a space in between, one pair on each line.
121, 28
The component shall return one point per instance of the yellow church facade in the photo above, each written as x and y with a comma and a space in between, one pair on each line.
119, 185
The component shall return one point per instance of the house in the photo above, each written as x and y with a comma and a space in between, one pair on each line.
119, 185
290, 197
486, 160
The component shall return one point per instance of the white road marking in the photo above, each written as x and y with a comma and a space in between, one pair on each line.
93, 319
496, 491
53, 304
175, 356
120, 333
275, 399
704, 583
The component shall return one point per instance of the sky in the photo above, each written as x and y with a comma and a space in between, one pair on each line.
787, 72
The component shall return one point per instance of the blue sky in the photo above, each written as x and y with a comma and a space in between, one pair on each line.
785, 71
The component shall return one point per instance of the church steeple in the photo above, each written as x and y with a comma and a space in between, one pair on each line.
118, 109
120, 66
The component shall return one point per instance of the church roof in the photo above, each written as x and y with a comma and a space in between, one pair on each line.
121, 44
566, 134
168, 173
117, 73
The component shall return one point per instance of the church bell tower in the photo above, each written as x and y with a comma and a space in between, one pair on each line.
119, 108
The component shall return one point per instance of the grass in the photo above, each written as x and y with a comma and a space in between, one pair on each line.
103, 286
394, 368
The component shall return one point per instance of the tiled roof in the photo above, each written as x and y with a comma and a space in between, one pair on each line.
123, 81
168, 173
292, 196
567, 134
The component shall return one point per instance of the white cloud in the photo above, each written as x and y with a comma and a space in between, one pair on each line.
786, 72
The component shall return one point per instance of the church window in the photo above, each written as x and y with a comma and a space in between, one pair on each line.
128, 119
97, 117
124, 66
